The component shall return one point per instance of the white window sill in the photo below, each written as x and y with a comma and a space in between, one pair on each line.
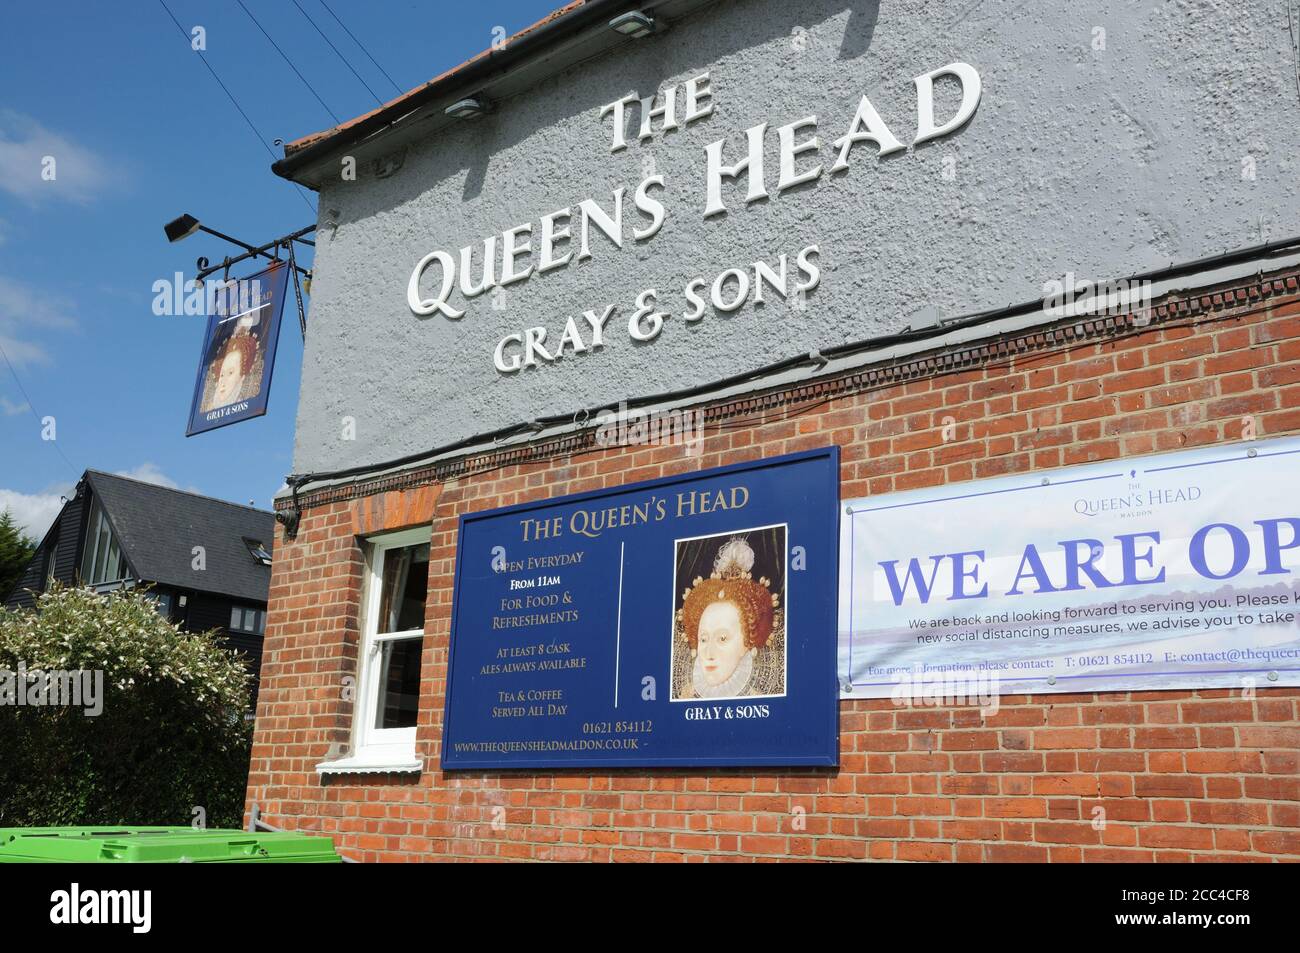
374, 763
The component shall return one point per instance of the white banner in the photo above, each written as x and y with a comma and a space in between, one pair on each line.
1170, 571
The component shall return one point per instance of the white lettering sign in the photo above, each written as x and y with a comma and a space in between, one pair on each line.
565, 236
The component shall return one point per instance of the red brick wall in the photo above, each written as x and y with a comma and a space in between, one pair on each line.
1180, 775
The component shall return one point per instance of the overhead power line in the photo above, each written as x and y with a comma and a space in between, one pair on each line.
283, 56
337, 53
361, 46
32, 407
234, 102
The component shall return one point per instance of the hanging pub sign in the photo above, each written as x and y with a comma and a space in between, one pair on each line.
686, 621
1180, 570
234, 379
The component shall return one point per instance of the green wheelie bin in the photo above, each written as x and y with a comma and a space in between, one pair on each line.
109, 844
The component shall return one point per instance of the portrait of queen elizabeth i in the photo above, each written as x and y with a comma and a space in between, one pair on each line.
234, 368
729, 627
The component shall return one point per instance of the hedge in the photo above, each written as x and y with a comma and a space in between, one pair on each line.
171, 744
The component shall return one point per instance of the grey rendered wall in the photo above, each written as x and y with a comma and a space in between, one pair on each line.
1098, 162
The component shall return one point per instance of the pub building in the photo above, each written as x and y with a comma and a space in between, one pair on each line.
834, 430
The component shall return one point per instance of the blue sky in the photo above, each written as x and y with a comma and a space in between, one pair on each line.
140, 132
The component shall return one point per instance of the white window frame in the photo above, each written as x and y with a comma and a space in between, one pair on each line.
377, 750
259, 619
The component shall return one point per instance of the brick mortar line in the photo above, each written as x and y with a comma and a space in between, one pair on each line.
814, 856
719, 852
1190, 825
941, 818
839, 838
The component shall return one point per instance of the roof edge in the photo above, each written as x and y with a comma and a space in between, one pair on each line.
175, 489
559, 25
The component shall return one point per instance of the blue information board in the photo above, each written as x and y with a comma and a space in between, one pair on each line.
686, 621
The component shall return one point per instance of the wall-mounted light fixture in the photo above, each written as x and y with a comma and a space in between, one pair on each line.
185, 225
182, 227
471, 107
634, 24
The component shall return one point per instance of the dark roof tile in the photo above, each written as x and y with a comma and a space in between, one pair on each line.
158, 528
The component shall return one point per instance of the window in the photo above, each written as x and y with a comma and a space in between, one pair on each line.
392, 640
257, 549
51, 558
162, 601
103, 560
248, 621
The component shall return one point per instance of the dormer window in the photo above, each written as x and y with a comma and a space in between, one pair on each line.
257, 549
103, 560
51, 556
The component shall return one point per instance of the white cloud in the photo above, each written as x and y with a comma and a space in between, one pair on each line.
12, 408
25, 310
37, 163
149, 472
34, 512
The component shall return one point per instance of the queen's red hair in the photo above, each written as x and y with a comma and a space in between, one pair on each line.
244, 345
752, 600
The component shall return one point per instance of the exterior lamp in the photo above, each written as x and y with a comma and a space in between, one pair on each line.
469, 108
182, 227
634, 24
186, 225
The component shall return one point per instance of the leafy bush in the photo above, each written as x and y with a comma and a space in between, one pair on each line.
172, 734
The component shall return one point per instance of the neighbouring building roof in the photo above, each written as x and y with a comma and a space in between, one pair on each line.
158, 528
